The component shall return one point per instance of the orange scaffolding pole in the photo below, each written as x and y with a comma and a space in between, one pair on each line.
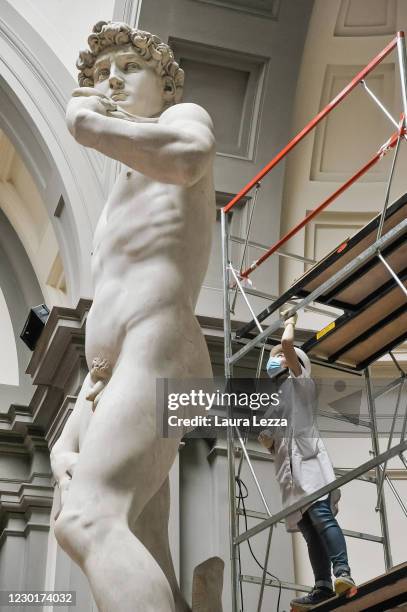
390, 144
314, 122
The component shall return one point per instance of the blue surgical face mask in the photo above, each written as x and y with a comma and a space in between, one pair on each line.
274, 366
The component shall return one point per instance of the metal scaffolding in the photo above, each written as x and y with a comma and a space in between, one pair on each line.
234, 283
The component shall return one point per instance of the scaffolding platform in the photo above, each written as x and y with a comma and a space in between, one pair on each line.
375, 309
386, 592
366, 278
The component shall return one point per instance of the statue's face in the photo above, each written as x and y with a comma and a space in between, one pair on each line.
121, 74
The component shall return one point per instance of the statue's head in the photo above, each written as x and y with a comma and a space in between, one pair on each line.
134, 68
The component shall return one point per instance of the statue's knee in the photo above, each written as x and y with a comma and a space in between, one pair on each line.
72, 533
65, 527
78, 531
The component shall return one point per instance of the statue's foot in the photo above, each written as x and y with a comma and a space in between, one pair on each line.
207, 586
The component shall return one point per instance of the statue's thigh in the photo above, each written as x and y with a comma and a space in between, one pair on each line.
122, 456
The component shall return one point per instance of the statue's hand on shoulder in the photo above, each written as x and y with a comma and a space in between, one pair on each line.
84, 102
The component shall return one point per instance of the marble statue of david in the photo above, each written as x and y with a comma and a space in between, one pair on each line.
150, 254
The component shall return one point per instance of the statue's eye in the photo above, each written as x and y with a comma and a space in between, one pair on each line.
103, 74
130, 66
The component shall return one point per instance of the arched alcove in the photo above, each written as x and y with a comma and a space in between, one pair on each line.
20, 291
9, 371
34, 89
22, 204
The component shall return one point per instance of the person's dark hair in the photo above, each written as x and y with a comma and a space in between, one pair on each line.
151, 48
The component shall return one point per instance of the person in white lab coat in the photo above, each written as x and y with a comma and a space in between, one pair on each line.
303, 466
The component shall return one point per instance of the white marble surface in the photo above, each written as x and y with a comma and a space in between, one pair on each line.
150, 254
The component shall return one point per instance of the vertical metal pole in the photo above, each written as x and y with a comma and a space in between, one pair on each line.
388, 188
389, 443
246, 241
395, 493
253, 473
401, 52
234, 566
403, 460
263, 578
376, 451
260, 362
404, 428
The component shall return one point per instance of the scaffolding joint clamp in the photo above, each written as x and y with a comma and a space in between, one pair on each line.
245, 282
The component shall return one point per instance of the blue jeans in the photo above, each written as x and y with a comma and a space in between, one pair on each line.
325, 541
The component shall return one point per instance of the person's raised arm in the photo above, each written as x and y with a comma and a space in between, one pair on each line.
176, 148
287, 342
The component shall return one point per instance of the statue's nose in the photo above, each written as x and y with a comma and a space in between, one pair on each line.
116, 82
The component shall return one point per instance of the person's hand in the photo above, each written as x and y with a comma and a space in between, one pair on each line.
63, 464
266, 439
84, 102
95, 393
290, 320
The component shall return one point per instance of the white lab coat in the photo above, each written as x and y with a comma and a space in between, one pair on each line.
301, 461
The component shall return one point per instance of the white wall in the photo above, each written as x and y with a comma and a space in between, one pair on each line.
65, 24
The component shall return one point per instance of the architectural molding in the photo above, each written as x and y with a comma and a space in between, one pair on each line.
345, 224
355, 20
257, 454
26, 488
63, 326
260, 8
127, 11
21, 497
21, 525
230, 85
349, 127
6, 156
56, 427
35, 88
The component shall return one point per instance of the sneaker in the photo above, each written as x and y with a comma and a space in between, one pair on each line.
317, 596
344, 583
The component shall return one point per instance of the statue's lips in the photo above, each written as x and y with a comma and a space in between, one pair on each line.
119, 96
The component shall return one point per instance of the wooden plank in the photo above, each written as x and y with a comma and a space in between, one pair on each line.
390, 587
348, 254
370, 316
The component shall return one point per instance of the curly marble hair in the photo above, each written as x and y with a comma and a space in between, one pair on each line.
148, 46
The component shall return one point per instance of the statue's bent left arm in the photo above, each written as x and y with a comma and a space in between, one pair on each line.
175, 149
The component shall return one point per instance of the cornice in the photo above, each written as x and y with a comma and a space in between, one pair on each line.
20, 524
65, 326
22, 503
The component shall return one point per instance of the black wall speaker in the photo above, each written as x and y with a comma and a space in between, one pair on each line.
34, 325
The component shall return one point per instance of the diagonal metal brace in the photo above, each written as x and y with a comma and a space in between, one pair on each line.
309, 499
328, 284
